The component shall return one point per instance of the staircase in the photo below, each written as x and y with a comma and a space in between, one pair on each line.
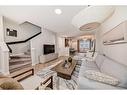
18, 62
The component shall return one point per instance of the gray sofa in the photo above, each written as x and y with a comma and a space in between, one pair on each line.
107, 66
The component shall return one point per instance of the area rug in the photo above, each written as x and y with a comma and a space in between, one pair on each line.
63, 84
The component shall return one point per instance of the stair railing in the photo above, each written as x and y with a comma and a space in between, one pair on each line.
18, 42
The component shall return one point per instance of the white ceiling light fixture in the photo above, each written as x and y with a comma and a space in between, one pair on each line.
58, 11
92, 17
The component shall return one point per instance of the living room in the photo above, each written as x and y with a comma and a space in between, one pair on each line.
63, 47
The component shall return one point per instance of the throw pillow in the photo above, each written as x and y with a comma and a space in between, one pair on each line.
101, 77
10, 84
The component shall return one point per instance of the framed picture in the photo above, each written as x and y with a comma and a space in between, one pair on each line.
117, 35
66, 42
11, 32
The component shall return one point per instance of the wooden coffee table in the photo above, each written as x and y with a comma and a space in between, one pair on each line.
65, 72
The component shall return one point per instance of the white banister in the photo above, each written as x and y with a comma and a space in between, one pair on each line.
4, 58
33, 56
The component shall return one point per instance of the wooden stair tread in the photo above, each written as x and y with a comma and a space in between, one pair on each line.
18, 66
19, 60
20, 71
20, 56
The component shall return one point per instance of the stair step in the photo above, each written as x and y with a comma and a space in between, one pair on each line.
19, 61
11, 61
18, 65
27, 53
15, 63
20, 68
20, 56
20, 71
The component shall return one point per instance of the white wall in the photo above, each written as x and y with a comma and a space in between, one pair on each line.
62, 50
46, 37
28, 29
117, 52
4, 53
24, 31
74, 44
20, 48
1, 29
12, 25
4, 58
98, 37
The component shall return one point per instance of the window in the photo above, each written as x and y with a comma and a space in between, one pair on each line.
84, 45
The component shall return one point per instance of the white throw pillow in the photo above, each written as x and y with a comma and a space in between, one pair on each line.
100, 77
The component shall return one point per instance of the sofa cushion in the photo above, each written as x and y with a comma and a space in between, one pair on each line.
116, 70
89, 65
11, 85
7, 83
101, 77
99, 60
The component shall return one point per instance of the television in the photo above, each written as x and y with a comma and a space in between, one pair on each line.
48, 49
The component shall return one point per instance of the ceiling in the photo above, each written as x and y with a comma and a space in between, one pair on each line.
44, 16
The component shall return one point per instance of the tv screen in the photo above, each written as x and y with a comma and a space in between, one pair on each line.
49, 49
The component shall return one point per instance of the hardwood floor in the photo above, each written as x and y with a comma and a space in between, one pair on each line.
36, 68
41, 66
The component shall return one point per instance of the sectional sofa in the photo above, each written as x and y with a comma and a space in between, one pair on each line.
102, 73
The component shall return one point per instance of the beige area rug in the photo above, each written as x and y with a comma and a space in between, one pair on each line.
63, 84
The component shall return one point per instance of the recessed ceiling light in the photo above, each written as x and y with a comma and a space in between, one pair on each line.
58, 11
